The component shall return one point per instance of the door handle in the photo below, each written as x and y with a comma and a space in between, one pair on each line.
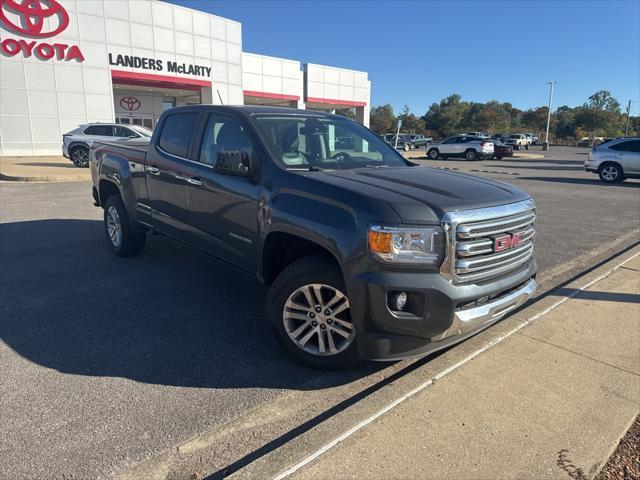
153, 170
194, 181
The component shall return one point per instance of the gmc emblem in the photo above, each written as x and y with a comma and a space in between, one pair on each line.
505, 242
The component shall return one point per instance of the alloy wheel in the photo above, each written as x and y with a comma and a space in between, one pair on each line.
80, 157
610, 173
317, 319
114, 227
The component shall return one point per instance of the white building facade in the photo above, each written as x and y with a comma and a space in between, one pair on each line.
69, 62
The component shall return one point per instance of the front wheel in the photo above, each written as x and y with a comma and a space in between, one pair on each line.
308, 307
433, 154
611, 173
120, 236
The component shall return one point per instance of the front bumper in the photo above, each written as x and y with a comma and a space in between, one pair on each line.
590, 166
65, 151
449, 314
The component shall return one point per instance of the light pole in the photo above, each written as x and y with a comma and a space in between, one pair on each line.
546, 138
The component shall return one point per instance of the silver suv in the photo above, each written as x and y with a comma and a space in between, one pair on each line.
615, 160
76, 143
471, 148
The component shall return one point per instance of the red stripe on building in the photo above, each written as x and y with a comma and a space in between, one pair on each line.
152, 80
330, 101
276, 96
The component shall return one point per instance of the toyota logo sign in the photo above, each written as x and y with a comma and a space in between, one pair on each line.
130, 103
32, 15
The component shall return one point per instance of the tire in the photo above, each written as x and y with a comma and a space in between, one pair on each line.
120, 237
434, 154
498, 158
290, 312
611, 173
80, 156
470, 155
406, 147
526, 147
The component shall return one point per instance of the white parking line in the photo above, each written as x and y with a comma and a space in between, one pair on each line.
447, 371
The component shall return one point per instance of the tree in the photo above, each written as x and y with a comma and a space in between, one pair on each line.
492, 118
446, 117
411, 123
602, 100
536, 119
382, 119
347, 112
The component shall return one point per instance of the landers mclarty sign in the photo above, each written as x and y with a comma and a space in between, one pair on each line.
159, 65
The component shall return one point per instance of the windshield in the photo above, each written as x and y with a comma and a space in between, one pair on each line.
312, 142
144, 131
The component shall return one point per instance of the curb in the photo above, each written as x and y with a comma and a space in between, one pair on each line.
44, 178
305, 448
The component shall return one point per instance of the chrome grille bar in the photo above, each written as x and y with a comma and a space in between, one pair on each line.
473, 236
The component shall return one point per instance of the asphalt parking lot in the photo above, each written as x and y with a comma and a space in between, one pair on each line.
108, 363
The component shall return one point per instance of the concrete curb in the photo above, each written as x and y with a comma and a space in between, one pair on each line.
279, 462
45, 178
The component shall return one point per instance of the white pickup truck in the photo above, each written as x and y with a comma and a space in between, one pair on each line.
518, 140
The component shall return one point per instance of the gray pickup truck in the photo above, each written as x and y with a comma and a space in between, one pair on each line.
366, 255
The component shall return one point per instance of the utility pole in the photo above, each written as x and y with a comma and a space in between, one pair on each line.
546, 139
626, 129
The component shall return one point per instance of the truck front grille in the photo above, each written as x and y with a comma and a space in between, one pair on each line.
473, 254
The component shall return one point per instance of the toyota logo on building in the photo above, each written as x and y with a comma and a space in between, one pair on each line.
31, 17
130, 103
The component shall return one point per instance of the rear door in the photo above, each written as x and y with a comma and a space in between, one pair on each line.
223, 208
628, 154
166, 170
448, 146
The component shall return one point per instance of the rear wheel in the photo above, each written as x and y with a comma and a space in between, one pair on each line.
80, 156
406, 147
611, 173
433, 154
120, 236
308, 307
470, 155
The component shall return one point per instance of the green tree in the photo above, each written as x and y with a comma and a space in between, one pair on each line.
536, 119
346, 112
411, 123
447, 116
602, 100
382, 119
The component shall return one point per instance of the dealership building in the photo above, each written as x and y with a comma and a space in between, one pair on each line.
70, 62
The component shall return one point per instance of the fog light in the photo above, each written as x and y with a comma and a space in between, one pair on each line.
400, 300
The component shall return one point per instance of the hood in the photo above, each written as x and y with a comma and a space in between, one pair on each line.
423, 194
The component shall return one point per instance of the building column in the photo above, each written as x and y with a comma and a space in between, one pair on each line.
362, 115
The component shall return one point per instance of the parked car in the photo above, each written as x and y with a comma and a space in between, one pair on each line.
589, 141
518, 140
365, 254
615, 160
533, 138
500, 136
501, 150
404, 142
420, 141
471, 148
77, 142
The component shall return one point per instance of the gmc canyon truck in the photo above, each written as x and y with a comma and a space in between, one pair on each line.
366, 255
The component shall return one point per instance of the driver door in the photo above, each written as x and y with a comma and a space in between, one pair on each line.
223, 207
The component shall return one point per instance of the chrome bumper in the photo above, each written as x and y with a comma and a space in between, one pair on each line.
465, 321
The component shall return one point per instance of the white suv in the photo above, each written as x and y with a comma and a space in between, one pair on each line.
76, 143
615, 160
471, 148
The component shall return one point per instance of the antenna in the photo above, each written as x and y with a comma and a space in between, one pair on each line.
220, 97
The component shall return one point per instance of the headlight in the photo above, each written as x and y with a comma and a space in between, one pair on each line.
423, 245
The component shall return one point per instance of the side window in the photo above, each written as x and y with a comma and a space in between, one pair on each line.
223, 134
629, 146
634, 146
124, 132
102, 130
451, 140
176, 133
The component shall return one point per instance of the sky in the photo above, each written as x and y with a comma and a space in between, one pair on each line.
418, 52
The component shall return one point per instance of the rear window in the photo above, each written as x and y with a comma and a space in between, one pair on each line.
176, 133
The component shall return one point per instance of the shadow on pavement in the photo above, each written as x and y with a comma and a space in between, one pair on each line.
596, 295
50, 164
596, 182
171, 316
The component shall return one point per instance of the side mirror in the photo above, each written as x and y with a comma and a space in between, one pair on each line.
233, 162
